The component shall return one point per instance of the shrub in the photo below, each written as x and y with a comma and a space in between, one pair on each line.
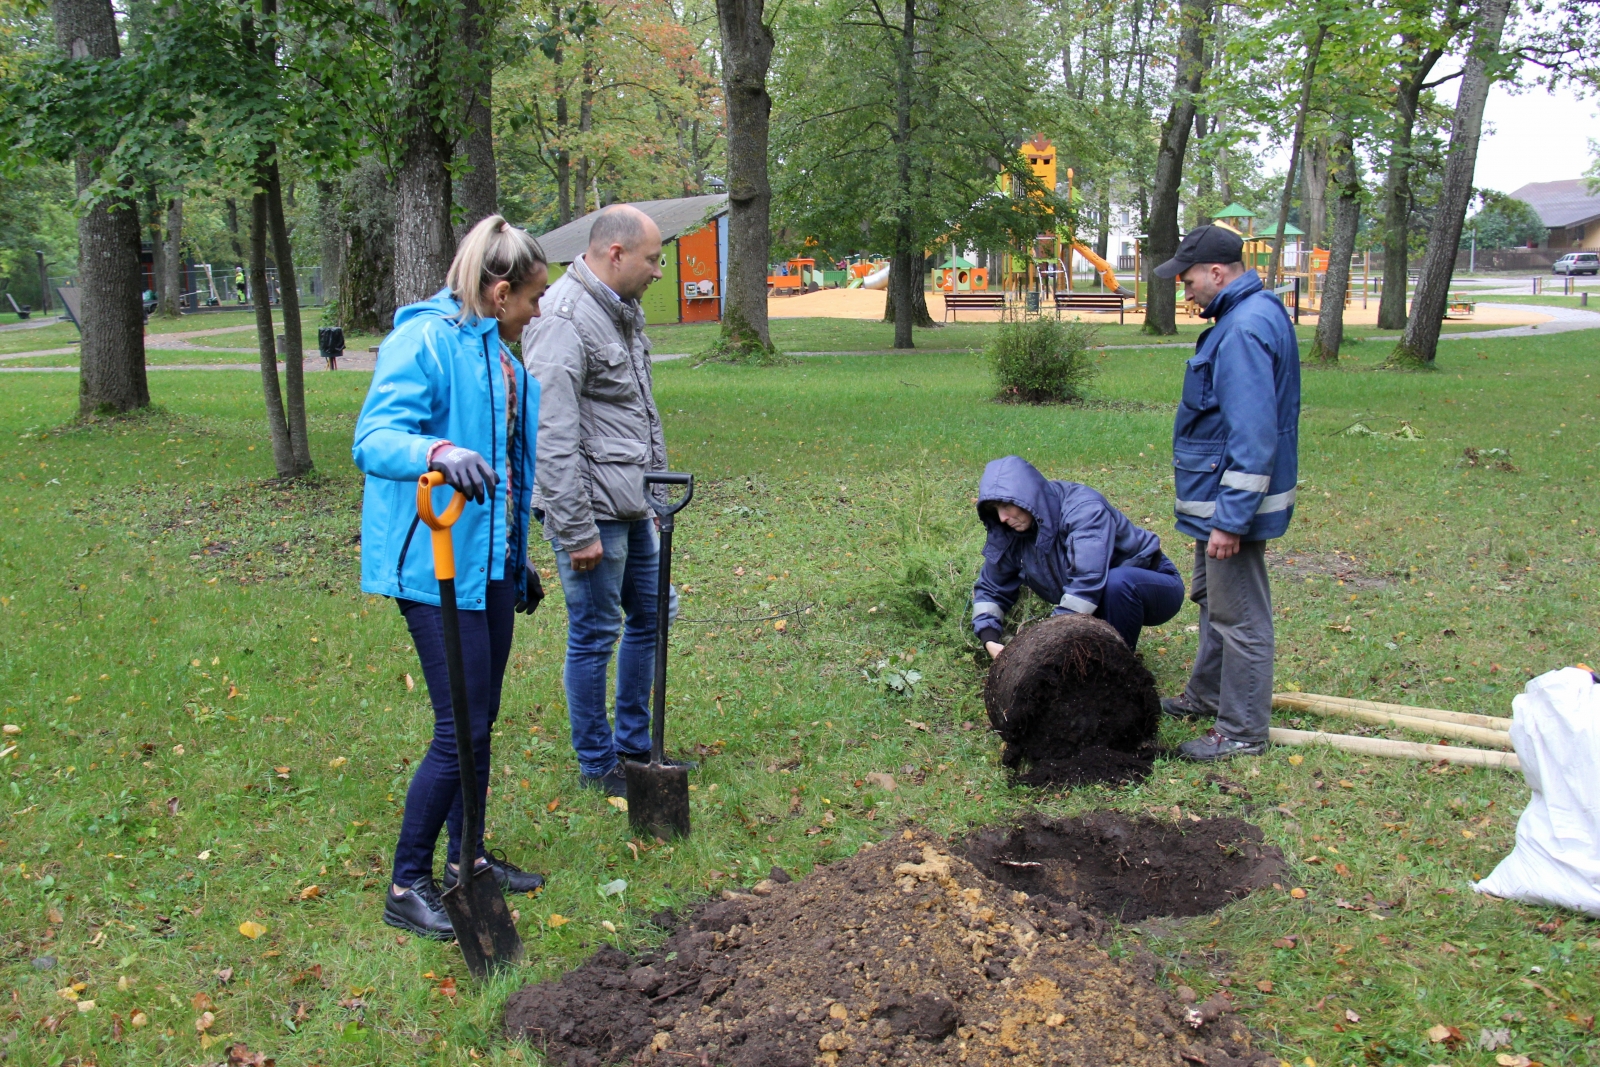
1043, 360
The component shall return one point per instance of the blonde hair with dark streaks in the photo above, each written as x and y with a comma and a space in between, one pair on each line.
493, 251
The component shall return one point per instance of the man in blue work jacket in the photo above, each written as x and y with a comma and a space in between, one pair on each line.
1235, 460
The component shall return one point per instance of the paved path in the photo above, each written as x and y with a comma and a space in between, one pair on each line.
1562, 320
33, 324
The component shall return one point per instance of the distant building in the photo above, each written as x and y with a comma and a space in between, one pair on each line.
1570, 213
694, 256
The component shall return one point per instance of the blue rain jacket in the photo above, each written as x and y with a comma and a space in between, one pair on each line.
1076, 538
441, 379
1236, 438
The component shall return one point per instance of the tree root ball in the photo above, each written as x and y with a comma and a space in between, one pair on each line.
1066, 687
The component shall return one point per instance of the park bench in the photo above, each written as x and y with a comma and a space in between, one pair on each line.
22, 312
1097, 303
954, 302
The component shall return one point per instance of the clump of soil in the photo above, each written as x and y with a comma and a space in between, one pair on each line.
1129, 868
1073, 704
904, 953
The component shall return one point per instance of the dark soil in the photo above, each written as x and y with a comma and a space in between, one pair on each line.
904, 953
1072, 703
1129, 868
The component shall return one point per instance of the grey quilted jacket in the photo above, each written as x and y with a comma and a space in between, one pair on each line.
599, 431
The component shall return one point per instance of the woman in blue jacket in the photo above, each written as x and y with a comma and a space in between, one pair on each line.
448, 396
1068, 544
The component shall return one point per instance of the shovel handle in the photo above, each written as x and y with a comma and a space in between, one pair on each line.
444, 555
666, 511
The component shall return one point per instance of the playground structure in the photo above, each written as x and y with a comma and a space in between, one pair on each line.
1046, 267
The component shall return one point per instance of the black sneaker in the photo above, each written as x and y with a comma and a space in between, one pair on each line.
507, 875
613, 782
666, 761
1181, 707
419, 910
1212, 746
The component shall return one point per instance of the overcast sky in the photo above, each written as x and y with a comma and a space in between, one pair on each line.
1535, 136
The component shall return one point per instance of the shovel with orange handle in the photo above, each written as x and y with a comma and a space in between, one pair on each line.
484, 928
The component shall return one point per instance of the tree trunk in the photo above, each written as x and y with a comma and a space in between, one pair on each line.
746, 56
478, 191
233, 231
111, 374
289, 303
330, 242
563, 155
1346, 174
170, 301
1432, 298
1397, 194
1313, 52
277, 425
905, 261
424, 242
1314, 194
585, 122
1161, 303
366, 217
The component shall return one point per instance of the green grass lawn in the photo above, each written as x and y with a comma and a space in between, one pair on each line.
214, 720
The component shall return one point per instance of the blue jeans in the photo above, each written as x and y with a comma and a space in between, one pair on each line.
434, 798
622, 587
1136, 597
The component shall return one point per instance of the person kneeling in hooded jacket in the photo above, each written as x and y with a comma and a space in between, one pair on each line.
448, 396
1067, 543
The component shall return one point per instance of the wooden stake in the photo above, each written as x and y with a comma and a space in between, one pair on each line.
1306, 702
1377, 746
1476, 734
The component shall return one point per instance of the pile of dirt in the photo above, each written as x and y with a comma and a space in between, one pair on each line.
1073, 705
1126, 868
905, 953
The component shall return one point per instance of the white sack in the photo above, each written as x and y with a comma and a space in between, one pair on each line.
1556, 731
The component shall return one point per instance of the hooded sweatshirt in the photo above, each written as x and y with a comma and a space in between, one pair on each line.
1075, 540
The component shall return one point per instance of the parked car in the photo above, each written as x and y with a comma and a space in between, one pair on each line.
1577, 263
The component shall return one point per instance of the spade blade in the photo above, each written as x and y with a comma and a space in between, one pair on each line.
658, 799
484, 928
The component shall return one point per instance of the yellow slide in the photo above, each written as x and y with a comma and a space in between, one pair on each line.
1107, 275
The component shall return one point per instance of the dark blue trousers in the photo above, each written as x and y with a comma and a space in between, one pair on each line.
1136, 597
434, 798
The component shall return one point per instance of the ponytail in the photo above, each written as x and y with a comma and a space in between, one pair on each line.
493, 251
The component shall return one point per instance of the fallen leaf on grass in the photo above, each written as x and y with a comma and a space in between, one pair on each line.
201, 1002
54, 917
613, 887
1297, 893
239, 1055
1448, 1036
1582, 1022
447, 986
557, 919
881, 780
410, 685
283, 772
1490, 1040
138, 1019
610, 926
1341, 870
85, 1005
620, 803
1296, 759
206, 1021
224, 975
1505, 1060
251, 929
337, 762
311, 892
1265, 985
172, 805
1287, 942
553, 805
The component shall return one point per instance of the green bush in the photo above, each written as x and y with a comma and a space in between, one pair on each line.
1043, 360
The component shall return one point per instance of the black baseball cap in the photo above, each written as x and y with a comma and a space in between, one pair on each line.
1203, 244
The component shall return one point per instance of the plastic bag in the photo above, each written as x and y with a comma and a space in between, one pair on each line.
1556, 731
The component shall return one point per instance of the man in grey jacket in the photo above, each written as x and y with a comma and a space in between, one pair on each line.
599, 432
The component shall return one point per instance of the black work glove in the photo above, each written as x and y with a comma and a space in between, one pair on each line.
465, 470
533, 593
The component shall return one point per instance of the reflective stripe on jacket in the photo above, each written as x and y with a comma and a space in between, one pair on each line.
1077, 537
441, 380
1235, 441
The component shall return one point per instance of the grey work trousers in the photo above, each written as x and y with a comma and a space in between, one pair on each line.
1232, 675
